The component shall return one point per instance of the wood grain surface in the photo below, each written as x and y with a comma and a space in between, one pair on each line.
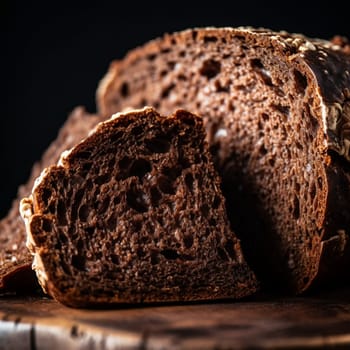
309, 322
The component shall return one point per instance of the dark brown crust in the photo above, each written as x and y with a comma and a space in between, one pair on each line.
335, 257
332, 74
328, 65
14, 255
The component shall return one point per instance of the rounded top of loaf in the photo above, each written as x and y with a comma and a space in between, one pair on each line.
326, 61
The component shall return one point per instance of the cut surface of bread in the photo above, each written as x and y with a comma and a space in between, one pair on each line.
276, 108
16, 274
134, 213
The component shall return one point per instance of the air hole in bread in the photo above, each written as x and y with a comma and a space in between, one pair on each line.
167, 90
205, 210
300, 81
112, 222
210, 68
140, 252
116, 200
171, 65
156, 196
313, 190
86, 166
89, 185
46, 225
137, 130
154, 257
166, 50
78, 262
216, 202
103, 179
158, 145
212, 221
265, 116
78, 197
124, 165
296, 208
222, 254
188, 241
299, 146
81, 242
165, 185
46, 194
115, 137
194, 34
61, 213
124, 89
314, 126
52, 208
84, 213
143, 102
262, 72
151, 57
140, 167
262, 150
172, 172
284, 110
114, 259
222, 87
170, 254
137, 225
62, 237
125, 162
189, 181
210, 39
231, 106
136, 199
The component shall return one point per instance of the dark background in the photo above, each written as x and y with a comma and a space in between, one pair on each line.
53, 56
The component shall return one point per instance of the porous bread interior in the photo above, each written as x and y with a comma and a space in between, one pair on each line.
264, 125
136, 214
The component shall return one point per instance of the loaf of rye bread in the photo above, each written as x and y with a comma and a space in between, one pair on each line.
134, 213
16, 274
276, 108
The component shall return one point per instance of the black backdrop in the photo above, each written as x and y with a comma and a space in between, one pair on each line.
52, 57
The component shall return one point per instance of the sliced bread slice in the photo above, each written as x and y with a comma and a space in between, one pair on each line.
134, 213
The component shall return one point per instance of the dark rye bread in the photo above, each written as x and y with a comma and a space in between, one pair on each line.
276, 107
16, 274
134, 213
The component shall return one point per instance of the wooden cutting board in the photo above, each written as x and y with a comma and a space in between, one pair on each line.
312, 322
